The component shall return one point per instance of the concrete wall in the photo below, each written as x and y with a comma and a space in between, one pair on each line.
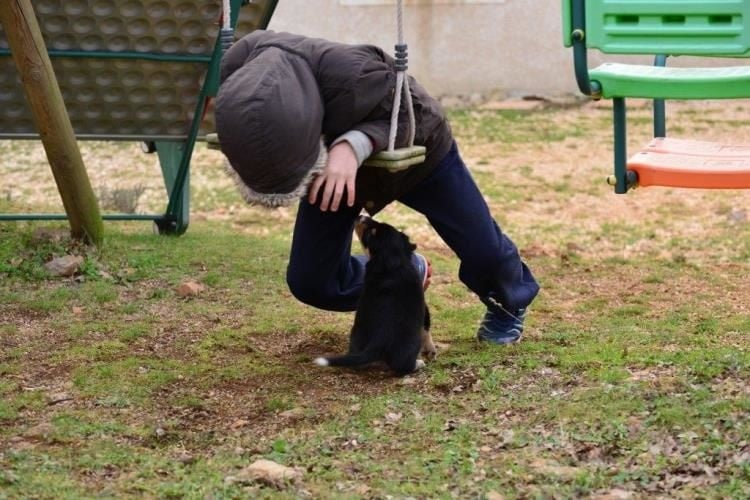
455, 46
503, 48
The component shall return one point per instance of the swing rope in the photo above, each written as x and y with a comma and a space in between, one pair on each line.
227, 33
395, 159
402, 83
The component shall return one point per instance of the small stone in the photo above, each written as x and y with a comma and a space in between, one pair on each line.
267, 472
550, 468
66, 265
615, 494
77, 310
189, 289
293, 414
392, 418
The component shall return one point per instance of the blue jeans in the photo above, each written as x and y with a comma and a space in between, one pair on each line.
323, 273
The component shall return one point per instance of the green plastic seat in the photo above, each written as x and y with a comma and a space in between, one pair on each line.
656, 82
662, 29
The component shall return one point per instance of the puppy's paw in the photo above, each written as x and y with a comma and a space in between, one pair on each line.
321, 361
418, 365
429, 351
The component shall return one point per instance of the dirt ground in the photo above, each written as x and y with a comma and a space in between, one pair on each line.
549, 195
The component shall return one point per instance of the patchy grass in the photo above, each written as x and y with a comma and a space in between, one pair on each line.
631, 382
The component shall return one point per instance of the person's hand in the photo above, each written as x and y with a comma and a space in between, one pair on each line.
339, 175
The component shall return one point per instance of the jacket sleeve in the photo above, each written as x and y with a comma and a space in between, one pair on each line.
373, 92
360, 143
377, 131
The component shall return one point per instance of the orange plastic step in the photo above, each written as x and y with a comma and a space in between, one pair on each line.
697, 148
692, 164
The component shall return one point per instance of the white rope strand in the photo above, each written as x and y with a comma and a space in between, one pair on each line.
410, 109
395, 111
400, 20
226, 14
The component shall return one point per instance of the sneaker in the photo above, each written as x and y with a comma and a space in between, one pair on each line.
423, 267
500, 327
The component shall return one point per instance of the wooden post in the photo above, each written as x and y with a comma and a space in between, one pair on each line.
51, 119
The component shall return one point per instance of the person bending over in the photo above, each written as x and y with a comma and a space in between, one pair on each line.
297, 116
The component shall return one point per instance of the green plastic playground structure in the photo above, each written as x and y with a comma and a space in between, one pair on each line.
661, 28
133, 71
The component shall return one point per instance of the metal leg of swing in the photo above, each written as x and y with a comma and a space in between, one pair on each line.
624, 179
171, 156
660, 120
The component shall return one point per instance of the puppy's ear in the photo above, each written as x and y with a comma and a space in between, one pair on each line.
408, 246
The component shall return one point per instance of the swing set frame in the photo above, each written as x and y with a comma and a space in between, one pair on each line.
174, 149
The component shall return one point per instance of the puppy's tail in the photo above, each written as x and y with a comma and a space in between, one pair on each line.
358, 359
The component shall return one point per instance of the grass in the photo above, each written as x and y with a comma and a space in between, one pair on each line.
632, 378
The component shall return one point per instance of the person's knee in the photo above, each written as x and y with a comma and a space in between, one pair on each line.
307, 289
301, 288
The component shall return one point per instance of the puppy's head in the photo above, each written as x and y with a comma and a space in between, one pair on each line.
381, 239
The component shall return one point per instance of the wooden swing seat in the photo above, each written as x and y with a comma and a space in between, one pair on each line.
397, 160
692, 164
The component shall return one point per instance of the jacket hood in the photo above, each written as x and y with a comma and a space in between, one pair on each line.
269, 116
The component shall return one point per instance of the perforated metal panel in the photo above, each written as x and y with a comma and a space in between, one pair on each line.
124, 97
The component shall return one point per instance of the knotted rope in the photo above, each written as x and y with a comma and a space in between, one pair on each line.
402, 83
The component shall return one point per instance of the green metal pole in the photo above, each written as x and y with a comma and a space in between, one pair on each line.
580, 54
624, 179
172, 222
145, 56
268, 14
660, 112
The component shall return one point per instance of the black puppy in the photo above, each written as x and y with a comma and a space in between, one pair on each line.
392, 322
